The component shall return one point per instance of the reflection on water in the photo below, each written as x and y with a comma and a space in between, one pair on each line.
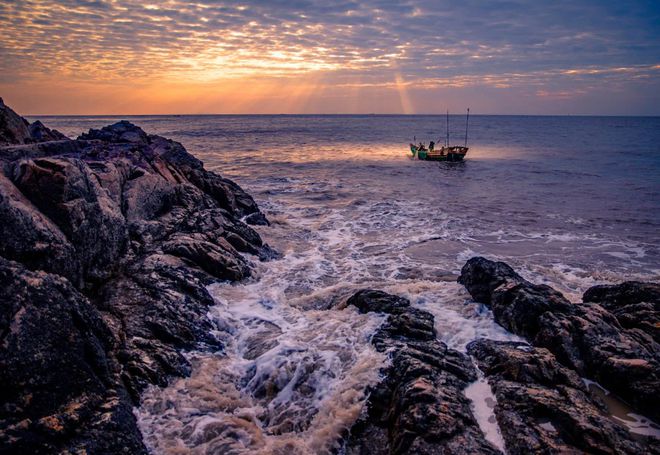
637, 424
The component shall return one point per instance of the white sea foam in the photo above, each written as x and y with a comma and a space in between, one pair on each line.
294, 374
289, 380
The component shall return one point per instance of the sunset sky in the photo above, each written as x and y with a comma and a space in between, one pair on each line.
316, 56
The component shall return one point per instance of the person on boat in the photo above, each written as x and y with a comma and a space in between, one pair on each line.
421, 146
431, 146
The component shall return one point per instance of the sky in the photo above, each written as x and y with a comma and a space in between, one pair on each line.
557, 57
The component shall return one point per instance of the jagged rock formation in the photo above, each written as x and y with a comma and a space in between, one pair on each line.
617, 349
107, 244
636, 305
14, 129
419, 407
544, 407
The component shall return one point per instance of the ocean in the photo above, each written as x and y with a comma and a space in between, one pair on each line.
567, 201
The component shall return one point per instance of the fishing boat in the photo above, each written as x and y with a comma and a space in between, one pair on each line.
446, 152
452, 153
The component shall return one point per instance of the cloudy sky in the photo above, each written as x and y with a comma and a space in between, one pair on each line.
319, 56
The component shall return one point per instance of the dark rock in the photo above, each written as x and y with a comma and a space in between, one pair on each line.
226, 193
39, 133
157, 308
257, 219
544, 407
481, 277
636, 305
129, 243
419, 407
374, 301
60, 389
585, 337
13, 128
31, 238
220, 260
120, 132
628, 293
68, 193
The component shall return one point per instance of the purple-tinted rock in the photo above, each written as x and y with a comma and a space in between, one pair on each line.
635, 304
13, 128
39, 133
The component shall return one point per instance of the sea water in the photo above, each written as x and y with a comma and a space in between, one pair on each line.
567, 201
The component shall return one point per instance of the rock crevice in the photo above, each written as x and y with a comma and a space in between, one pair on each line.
419, 407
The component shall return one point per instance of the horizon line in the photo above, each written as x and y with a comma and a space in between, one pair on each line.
339, 114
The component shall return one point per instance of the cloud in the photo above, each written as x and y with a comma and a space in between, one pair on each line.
347, 43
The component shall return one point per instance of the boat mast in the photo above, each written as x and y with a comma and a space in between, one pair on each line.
447, 140
467, 119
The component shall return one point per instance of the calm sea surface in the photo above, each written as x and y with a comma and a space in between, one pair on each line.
569, 201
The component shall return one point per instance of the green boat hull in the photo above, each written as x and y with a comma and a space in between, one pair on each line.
452, 154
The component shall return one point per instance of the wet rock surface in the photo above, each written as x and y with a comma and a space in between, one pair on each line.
107, 244
586, 337
419, 407
636, 305
545, 407
14, 129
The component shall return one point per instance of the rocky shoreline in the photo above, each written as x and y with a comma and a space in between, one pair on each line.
109, 241
107, 244
585, 337
420, 407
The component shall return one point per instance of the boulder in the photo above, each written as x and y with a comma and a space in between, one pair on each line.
30, 237
60, 386
636, 305
68, 193
13, 128
39, 133
583, 336
156, 308
545, 407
